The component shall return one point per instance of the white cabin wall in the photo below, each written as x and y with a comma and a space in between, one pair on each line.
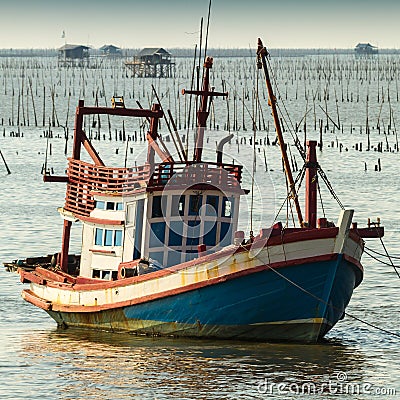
235, 218
86, 255
146, 227
129, 230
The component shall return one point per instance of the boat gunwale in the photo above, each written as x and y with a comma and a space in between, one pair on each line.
182, 289
273, 237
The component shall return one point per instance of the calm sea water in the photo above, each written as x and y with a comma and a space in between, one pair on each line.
39, 361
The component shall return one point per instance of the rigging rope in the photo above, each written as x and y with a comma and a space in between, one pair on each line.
380, 254
292, 130
298, 145
320, 198
329, 186
300, 177
381, 261
255, 109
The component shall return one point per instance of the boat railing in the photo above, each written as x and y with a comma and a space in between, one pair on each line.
192, 173
85, 178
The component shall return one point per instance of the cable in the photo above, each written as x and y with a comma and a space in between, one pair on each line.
300, 177
380, 261
323, 301
329, 186
298, 143
380, 254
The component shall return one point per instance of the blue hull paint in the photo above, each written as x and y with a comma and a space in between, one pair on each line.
258, 306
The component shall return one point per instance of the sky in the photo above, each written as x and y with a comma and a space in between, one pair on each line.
27, 24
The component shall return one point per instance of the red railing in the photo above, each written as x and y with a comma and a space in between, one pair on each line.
85, 178
226, 176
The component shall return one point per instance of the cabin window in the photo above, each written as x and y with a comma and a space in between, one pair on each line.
138, 228
195, 201
191, 255
157, 234
106, 275
178, 205
157, 256
174, 258
131, 214
108, 236
210, 233
212, 205
99, 205
110, 205
118, 238
226, 233
175, 233
99, 237
193, 233
158, 207
227, 207
96, 273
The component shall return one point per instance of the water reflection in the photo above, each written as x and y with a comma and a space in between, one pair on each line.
88, 364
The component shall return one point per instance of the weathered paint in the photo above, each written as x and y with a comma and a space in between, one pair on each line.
250, 307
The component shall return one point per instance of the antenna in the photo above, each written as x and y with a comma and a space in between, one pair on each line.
208, 25
190, 104
201, 41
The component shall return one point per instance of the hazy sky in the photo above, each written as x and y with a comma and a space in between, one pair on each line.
175, 23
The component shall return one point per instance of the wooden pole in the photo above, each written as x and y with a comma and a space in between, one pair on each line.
4, 160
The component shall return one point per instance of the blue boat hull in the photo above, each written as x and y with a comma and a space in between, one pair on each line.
295, 303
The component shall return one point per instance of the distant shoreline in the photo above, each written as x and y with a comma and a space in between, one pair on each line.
214, 52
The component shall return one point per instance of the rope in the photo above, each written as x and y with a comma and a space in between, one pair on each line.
380, 254
289, 193
298, 143
388, 256
255, 109
329, 186
323, 301
380, 261
320, 198
384, 248
294, 135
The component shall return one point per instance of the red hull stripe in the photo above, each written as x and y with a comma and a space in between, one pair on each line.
312, 234
194, 286
352, 260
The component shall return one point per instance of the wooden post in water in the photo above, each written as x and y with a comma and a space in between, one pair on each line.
4, 160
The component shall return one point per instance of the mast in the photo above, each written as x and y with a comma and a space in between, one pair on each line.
261, 55
203, 112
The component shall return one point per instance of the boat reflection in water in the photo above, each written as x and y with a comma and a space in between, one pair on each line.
98, 365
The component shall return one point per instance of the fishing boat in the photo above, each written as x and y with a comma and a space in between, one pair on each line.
162, 254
